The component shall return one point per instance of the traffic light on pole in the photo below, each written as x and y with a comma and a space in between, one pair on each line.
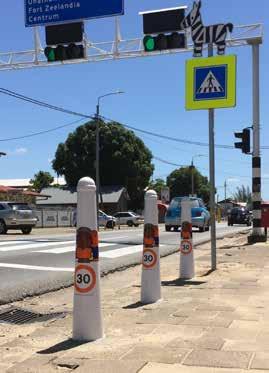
161, 29
244, 145
62, 42
164, 42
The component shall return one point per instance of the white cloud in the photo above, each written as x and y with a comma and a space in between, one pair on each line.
20, 151
233, 180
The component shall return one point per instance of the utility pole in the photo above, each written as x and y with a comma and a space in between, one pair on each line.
225, 196
211, 117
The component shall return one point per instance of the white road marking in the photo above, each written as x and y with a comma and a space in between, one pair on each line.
112, 254
67, 249
36, 268
35, 245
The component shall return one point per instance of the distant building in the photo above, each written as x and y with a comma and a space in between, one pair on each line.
25, 183
115, 198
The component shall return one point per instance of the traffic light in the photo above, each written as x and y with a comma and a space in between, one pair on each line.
62, 53
161, 29
164, 42
62, 42
244, 145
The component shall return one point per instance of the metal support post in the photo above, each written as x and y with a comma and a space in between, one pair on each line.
97, 161
257, 234
211, 114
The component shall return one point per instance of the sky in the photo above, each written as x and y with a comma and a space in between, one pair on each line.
154, 98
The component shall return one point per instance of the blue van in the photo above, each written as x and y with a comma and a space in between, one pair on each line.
200, 214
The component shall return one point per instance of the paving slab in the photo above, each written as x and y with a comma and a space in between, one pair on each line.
176, 368
219, 359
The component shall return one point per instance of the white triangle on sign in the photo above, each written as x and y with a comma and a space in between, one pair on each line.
210, 85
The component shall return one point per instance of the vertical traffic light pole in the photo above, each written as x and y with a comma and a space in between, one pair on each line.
97, 160
211, 115
257, 235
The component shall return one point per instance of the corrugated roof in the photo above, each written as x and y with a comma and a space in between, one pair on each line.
60, 196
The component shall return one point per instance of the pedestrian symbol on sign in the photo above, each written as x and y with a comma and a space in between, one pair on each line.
210, 83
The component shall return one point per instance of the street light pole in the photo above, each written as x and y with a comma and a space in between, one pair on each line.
97, 149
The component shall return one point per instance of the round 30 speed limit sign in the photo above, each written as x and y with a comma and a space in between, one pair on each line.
149, 258
186, 247
85, 279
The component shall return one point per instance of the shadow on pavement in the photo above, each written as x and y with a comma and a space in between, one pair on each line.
133, 305
182, 282
62, 346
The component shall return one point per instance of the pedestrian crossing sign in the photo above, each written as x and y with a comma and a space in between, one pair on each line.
211, 83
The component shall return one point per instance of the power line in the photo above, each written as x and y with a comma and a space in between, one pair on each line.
41, 132
82, 115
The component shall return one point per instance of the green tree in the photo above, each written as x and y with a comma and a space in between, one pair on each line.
157, 185
124, 158
41, 180
180, 183
243, 194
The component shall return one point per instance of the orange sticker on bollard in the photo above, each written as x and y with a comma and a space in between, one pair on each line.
149, 258
186, 230
151, 235
85, 278
185, 247
87, 245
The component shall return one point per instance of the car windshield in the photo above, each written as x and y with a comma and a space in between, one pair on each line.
176, 203
19, 206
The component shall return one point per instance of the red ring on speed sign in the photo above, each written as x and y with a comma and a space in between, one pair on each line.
185, 247
151, 254
85, 278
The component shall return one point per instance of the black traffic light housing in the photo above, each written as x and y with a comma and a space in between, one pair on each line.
161, 29
244, 145
62, 42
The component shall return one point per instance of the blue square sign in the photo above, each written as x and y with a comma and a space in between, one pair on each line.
210, 82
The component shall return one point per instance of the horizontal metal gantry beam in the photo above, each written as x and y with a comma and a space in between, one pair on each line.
117, 49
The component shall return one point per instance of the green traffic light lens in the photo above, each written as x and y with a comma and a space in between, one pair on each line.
149, 43
50, 54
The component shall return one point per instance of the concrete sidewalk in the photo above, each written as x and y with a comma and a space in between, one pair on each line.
217, 322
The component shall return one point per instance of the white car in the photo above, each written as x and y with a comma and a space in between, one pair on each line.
130, 218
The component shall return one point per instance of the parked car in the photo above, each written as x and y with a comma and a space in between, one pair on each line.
200, 214
130, 218
239, 215
14, 215
104, 220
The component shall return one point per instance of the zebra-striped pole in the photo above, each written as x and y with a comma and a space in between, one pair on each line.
257, 233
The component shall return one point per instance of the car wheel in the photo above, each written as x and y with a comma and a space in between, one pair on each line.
130, 223
26, 230
3, 228
110, 224
167, 228
249, 223
207, 228
136, 225
202, 229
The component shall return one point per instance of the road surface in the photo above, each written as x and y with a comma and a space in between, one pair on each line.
31, 265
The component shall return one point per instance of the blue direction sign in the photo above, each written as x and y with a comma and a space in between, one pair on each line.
45, 12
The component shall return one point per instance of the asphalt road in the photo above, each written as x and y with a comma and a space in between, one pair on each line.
31, 265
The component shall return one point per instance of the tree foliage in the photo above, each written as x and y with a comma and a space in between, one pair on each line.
124, 159
157, 185
180, 183
41, 180
243, 194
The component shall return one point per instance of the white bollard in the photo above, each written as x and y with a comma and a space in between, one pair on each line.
186, 244
151, 278
87, 316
